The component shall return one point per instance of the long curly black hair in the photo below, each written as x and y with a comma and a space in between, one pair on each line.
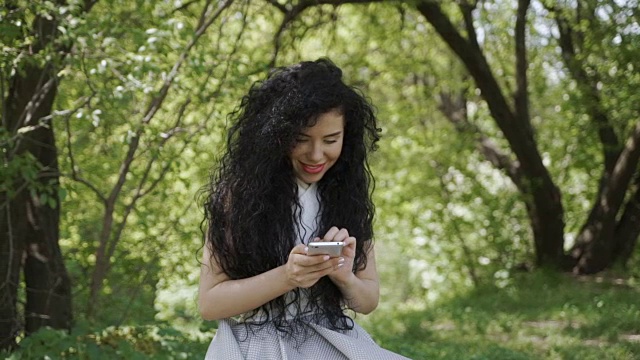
252, 201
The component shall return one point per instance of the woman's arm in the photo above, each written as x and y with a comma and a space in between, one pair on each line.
220, 297
362, 289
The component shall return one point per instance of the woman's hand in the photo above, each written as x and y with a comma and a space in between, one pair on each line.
304, 271
343, 275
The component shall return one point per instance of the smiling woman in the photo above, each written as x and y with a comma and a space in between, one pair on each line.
295, 171
317, 148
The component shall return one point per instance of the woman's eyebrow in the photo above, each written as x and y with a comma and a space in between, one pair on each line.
326, 136
334, 134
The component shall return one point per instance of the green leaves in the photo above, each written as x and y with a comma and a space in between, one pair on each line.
125, 342
446, 218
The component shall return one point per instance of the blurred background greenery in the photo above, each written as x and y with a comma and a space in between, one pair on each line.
507, 202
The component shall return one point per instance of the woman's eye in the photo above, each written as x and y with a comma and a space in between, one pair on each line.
330, 141
300, 140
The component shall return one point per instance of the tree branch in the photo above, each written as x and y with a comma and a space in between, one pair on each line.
623, 171
234, 50
522, 93
611, 145
467, 14
155, 104
203, 15
42, 90
600, 226
102, 261
291, 14
453, 107
140, 191
478, 67
157, 101
74, 172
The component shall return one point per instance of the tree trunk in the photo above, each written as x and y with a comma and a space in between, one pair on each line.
540, 194
594, 247
12, 246
628, 229
102, 261
28, 228
47, 283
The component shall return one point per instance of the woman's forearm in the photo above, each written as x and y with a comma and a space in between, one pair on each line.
361, 294
234, 297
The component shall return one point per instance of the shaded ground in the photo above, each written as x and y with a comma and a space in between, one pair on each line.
538, 316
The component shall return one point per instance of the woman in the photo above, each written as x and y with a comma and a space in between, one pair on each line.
295, 171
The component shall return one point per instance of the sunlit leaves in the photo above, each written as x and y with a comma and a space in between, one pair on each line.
122, 58
445, 217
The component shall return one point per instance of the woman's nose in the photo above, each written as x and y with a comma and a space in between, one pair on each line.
315, 153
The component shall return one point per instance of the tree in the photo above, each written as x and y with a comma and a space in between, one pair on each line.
596, 244
612, 228
540, 194
30, 211
174, 38
136, 94
111, 231
152, 98
593, 251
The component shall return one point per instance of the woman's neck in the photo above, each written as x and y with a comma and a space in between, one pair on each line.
302, 184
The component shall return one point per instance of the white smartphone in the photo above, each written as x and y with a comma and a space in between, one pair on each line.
331, 248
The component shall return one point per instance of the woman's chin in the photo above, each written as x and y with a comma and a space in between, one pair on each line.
310, 178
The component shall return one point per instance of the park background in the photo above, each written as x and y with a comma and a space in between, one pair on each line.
507, 186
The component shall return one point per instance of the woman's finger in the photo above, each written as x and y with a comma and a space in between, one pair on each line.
350, 242
349, 248
327, 268
331, 234
306, 260
324, 264
299, 249
307, 276
341, 235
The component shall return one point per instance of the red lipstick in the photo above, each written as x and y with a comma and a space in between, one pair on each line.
313, 169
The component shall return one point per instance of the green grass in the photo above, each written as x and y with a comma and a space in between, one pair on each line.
539, 316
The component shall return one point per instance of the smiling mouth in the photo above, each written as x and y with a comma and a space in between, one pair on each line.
312, 169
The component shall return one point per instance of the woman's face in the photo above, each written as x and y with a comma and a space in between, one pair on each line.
318, 148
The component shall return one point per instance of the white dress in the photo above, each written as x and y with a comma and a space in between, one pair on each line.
235, 341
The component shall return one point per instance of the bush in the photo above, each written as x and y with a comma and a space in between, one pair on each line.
125, 342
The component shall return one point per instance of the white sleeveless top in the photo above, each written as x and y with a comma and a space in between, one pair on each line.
308, 220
